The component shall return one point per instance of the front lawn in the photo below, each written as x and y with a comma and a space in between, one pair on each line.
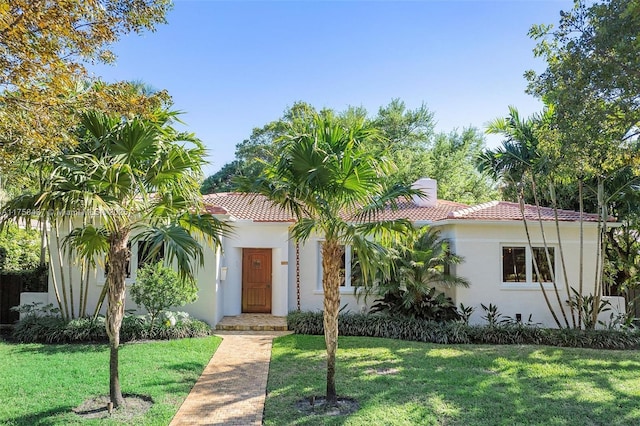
41, 384
406, 383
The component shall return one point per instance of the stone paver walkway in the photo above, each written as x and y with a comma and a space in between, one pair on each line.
232, 388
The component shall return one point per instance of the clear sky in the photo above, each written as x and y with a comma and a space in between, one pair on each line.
235, 65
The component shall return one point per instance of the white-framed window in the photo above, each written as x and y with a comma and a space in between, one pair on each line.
517, 264
140, 256
347, 283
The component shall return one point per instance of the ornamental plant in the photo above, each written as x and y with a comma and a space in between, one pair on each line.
159, 288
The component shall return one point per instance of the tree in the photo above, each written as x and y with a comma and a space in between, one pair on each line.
139, 177
327, 176
521, 158
253, 154
43, 46
452, 162
591, 85
418, 264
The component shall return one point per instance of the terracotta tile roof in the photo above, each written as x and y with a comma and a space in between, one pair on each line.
408, 210
259, 209
504, 210
246, 207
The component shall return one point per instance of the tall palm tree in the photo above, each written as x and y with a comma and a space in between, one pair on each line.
520, 160
140, 178
329, 178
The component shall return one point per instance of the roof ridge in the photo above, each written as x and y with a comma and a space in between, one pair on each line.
477, 207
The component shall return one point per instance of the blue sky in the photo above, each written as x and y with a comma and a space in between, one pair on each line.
235, 65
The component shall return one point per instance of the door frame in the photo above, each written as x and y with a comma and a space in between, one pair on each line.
269, 285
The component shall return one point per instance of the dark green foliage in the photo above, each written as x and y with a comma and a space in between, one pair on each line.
53, 329
407, 287
368, 325
32, 280
430, 305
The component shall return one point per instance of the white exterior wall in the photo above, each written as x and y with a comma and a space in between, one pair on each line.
256, 235
480, 243
205, 308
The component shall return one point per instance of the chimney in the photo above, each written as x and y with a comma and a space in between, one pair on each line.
429, 188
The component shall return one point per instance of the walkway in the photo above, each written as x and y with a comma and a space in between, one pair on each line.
232, 388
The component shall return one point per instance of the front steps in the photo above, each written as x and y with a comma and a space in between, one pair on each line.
252, 322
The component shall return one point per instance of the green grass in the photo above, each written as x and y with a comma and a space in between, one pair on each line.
430, 384
41, 384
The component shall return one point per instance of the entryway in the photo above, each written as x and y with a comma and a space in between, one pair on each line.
256, 280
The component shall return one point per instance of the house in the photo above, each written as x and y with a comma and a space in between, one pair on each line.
260, 269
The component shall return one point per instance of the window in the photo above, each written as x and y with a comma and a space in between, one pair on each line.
347, 277
142, 255
146, 254
517, 264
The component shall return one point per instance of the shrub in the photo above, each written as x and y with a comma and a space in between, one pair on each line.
53, 329
159, 288
376, 325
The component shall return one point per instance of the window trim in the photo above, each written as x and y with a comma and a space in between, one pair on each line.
348, 288
528, 284
133, 265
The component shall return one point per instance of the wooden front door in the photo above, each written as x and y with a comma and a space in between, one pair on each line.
256, 280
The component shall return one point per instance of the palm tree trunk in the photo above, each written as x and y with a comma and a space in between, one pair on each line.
535, 264
118, 255
581, 268
546, 253
63, 283
554, 200
332, 253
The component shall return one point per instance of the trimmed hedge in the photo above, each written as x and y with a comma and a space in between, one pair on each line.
53, 329
368, 325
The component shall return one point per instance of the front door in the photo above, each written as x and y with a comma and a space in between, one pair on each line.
256, 280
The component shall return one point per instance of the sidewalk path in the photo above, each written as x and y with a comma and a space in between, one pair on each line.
232, 388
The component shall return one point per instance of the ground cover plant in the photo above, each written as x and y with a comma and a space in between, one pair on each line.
405, 383
504, 332
43, 383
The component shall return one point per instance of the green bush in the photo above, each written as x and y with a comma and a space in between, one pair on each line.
375, 325
19, 248
53, 329
159, 288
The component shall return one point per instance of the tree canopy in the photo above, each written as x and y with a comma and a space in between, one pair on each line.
406, 137
44, 46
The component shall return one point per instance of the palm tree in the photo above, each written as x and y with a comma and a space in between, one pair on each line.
140, 178
418, 264
520, 160
328, 177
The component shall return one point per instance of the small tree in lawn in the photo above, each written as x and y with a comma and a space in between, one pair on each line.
331, 180
140, 178
159, 288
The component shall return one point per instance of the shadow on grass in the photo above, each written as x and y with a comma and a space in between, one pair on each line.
409, 382
42, 418
53, 349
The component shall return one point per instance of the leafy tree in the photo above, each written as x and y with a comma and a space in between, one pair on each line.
140, 177
333, 183
159, 288
19, 248
591, 85
43, 46
254, 154
452, 162
405, 136
418, 264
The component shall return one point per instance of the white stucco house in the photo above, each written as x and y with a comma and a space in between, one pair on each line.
260, 269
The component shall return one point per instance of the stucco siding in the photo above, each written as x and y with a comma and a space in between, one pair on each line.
481, 246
